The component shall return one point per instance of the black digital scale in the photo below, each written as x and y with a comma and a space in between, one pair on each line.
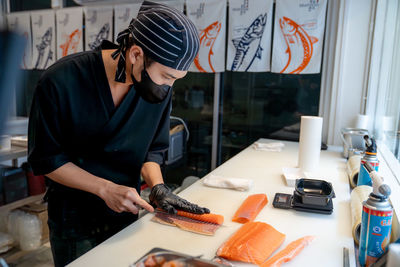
309, 195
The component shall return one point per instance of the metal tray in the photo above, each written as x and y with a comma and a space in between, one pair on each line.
186, 260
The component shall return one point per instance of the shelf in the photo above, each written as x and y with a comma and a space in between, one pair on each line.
14, 153
20, 203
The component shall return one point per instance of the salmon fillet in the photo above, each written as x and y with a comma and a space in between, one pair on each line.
187, 224
250, 208
254, 242
289, 252
207, 217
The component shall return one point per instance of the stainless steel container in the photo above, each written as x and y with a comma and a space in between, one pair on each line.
353, 141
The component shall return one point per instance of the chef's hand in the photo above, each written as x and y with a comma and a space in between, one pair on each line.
122, 198
162, 197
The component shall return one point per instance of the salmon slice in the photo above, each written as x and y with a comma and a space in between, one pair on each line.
250, 208
187, 224
289, 252
207, 217
254, 242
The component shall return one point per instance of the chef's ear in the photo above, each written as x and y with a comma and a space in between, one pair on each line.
135, 53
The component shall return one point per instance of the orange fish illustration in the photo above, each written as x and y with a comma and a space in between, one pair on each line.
207, 40
299, 46
71, 44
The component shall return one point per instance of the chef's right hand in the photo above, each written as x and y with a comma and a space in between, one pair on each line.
122, 198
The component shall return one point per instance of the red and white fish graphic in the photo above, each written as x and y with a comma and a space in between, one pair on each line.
299, 46
207, 40
71, 44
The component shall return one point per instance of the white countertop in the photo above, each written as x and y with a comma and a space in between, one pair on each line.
333, 232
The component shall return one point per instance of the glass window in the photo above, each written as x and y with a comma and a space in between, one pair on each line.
193, 102
386, 123
265, 105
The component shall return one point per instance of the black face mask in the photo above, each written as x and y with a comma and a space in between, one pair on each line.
149, 90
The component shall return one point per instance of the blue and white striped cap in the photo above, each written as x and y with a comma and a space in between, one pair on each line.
165, 34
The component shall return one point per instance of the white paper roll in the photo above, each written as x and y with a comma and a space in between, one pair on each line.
362, 121
353, 168
310, 143
358, 195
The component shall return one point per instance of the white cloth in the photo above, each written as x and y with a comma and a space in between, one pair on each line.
272, 146
98, 25
123, 14
209, 16
239, 184
69, 31
249, 35
44, 38
298, 36
21, 22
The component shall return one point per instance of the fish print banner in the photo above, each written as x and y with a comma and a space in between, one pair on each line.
21, 22
98, 25
69, 31
249, 35
43, 39
177, 4
210, 19
298, 36
123, 14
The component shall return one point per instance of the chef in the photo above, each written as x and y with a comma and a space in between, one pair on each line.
100, 121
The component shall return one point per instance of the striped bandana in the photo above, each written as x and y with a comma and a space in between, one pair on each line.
165, 34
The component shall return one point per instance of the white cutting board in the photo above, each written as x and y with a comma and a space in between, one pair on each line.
332, 232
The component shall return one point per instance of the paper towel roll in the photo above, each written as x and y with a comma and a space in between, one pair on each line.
362, 121
310, 143
358, 195
353, 168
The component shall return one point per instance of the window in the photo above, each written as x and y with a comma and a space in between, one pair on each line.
386, 95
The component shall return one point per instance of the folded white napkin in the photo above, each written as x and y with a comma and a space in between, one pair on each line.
239, 184
272, 146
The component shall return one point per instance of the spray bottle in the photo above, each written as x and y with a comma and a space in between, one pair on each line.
371, 157
376, 220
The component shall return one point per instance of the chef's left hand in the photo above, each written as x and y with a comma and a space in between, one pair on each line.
162, 197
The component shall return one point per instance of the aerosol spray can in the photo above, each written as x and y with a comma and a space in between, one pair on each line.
370, 157
376, 221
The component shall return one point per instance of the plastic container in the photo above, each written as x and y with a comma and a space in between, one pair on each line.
26, 229
314, 192
30, 232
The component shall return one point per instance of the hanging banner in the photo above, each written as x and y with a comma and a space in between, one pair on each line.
69, 31
98, 25
298, 36
21, 22
123, 14
43, 39
209, 16
177, 4
249, 35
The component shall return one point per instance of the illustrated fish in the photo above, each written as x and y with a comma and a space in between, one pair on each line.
207, 40
250, 43
125, 16
299, 46
100, 36
71, 44
45, 44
